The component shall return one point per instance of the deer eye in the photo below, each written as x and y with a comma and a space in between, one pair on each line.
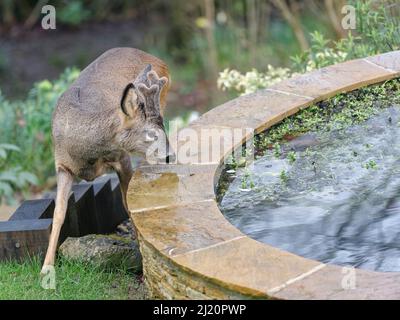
91, 161
151, 135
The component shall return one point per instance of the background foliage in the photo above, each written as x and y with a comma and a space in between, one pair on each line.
25, 135
378, 31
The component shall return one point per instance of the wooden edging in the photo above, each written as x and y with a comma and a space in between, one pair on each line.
191, 251
92, 208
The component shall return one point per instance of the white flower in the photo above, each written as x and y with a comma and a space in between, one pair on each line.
252, 80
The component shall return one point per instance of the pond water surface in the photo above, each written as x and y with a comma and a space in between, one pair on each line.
338, 202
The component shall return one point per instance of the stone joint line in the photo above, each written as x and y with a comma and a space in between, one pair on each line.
172, 205
290, 94
379, 66
298, 278
205, 248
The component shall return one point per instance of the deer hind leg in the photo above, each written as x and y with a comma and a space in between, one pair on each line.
125, 172
64, 184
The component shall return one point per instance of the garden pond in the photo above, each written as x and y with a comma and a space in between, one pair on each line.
332, 196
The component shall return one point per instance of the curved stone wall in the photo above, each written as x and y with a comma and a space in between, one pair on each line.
191, 251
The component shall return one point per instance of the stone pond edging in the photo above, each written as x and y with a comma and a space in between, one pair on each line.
189, 249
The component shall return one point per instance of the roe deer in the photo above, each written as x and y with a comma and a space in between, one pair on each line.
114, 108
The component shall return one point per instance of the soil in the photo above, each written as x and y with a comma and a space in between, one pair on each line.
6, 211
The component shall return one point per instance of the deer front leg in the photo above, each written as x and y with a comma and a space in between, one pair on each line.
125, 172
64, 184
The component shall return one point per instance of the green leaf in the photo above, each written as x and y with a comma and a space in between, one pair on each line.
9, 176
28, 177
5, 189
8, 146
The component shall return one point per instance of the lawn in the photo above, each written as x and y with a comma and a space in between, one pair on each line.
74, 281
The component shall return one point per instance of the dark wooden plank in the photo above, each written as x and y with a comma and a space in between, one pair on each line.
86, 208
104, 205
119, 213
92, 208
70, 227
21, 225
109, 203
22, 238
34, 209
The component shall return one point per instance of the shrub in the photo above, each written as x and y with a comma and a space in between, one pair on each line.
12, 177
73, 13
27, 125
378, 30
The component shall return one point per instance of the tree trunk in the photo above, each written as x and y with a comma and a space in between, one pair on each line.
209, 7
252, 29
293, 20
333, 16
8, 12
35, 14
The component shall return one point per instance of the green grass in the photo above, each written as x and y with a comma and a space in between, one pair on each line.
74, 281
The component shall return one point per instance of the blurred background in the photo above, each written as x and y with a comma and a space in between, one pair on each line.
216, 50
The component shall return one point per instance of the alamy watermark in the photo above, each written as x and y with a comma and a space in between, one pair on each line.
349, 17
348, 21
49, 19
349, 278
195, 145
48, 280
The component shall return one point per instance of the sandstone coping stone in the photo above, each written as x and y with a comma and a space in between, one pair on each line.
189, 249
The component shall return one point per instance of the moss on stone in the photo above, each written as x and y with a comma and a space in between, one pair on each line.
338, 112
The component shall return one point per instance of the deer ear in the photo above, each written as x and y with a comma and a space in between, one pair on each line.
128, 100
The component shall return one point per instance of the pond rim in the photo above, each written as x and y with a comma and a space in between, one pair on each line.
191, 251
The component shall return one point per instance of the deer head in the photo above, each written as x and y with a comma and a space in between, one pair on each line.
143, 128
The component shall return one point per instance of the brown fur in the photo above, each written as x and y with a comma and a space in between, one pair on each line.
92, 131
